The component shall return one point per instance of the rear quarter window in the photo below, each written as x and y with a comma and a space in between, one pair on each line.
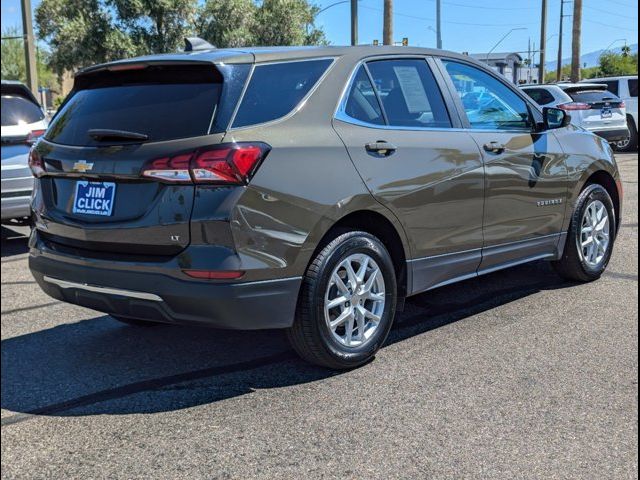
17, 110
633, 87
540, 95
276, 89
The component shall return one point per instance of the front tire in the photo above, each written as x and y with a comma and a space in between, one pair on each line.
347, 303
590, 238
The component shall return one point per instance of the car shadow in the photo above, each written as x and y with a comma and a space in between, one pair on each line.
14, 242
99, 366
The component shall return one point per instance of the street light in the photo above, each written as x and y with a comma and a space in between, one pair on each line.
500, 41
333, 5
616, 41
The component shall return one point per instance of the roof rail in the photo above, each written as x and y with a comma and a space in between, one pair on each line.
192, 44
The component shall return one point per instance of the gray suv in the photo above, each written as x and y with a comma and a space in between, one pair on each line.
309, 189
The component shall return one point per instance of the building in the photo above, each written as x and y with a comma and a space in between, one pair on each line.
509, 64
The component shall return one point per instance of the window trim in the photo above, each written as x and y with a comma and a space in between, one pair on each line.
295, 109
532, 106
340, 111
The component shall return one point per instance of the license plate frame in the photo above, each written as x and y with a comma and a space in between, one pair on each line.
94, 198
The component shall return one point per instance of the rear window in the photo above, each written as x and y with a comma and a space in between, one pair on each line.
633, 87
162, 103
540, 95
593, 96
276, 89
17, 110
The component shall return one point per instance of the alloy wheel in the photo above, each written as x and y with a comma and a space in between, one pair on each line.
594, 234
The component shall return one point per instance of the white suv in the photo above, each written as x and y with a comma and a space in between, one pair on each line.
625, 87
590, 105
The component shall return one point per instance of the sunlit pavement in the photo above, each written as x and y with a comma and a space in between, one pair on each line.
514, 375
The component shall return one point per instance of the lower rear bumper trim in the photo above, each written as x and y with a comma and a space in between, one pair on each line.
106, 290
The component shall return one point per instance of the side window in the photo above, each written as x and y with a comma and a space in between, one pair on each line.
276, 89
488, 103
613, 87
409, 93
362, 103
540, 95
633, 87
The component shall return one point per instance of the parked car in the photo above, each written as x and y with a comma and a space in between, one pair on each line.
310, 189
23, 121
590, 106
625, 87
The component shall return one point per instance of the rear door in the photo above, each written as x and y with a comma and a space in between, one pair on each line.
92, 195
526, 176
402, 139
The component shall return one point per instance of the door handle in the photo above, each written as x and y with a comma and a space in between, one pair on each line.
381, 147
494, 147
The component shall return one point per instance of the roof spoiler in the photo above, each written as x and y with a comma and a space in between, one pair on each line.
192, 44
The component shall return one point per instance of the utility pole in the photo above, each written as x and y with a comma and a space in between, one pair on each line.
387, 30
354, 22
575, 44
560, 33
543, 41
439, 23
29, 47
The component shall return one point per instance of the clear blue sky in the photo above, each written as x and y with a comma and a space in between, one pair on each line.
468, 25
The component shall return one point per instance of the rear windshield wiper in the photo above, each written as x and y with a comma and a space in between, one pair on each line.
107, 134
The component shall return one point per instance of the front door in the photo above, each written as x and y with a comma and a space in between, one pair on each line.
526, 176
400, 136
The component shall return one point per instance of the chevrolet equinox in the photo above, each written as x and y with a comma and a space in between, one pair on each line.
309, 189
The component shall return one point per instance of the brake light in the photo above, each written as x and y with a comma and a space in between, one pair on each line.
575, 106
36, 163
33, 136
622, 104
227, 163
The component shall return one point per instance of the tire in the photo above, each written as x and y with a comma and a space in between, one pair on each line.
632, 144
575, 265
311, 335
134, 322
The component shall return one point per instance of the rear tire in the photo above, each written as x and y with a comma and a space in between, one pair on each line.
347, 303
135, 322
590, 238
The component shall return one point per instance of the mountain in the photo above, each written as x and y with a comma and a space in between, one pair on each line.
591, 59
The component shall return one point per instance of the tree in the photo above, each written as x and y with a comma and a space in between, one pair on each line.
618, 63
227, 23
13, 66
80, 33
156, 26
287, 22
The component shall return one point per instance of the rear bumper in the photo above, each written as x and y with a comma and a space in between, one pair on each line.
152, 295
16, 194
613, 135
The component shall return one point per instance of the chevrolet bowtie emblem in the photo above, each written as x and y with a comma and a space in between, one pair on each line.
82, 166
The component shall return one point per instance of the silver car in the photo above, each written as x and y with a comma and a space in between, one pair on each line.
23, 121
591, 107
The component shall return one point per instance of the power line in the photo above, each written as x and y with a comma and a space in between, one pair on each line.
618, 27
427, 19
608, 13
482, 7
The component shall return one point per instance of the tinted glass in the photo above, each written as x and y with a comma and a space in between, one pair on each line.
163, 103
362, 103
593, 96
488, 102
409, 93
633, 87
18, 110
540, 95
276, 89
612, 86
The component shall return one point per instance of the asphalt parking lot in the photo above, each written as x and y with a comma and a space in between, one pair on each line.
514, 375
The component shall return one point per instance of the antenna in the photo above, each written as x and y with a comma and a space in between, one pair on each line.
192, 44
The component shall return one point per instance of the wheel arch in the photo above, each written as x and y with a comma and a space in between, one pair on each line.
606, 180
383, 228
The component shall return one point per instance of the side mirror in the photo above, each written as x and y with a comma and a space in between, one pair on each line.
555, 118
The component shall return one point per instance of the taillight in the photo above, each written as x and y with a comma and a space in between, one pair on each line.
33, 136
227, 163
622, 105
36, 163
214, 274
575, 106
